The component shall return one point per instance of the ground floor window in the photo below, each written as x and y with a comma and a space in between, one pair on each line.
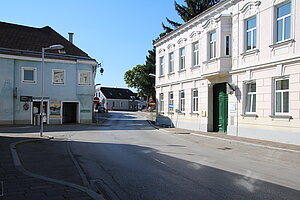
161, 102
250, 100
181, 101
171, 102
195, 100
281, 96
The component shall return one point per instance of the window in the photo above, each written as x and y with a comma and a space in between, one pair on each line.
181, 101
250, 106
28, 75
227, 45
195, 100
58, 76
182, 58
171, 62
195, 55
171, 102
251, 33
84, 78
212, 45
281, 96
283, 22
161, 102
161, 66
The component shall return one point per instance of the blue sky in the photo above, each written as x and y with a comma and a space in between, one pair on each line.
118, 33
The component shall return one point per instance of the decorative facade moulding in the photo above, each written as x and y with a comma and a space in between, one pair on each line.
250, 5
161, 51
194, 34
181, 41
171, 47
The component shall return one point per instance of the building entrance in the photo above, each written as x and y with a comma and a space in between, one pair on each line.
69, 112
36, 113
220, 108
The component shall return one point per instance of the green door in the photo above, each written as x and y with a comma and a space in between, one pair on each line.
220, 108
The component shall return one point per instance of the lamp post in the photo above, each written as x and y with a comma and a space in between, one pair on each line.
53, 47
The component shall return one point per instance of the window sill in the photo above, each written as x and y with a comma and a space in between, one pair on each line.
171, 113
161, 113
181, 113
171, 73
195, 67
249, 115
283, 117
161, 76
250, 52
282, 43
182, 70
211, 60
194, 114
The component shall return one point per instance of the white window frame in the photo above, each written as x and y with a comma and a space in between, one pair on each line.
171, 101
34, 81
182, 101
252, 95
161, 102
195, 55
64, 76
195, 101
171, 62
281, 92
212, 45
89, 75
251, 31
283, 18
161, 65
182, 58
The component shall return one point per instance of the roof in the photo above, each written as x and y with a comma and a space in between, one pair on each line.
117, 93
30, 39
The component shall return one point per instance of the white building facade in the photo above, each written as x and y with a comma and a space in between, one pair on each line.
234, 69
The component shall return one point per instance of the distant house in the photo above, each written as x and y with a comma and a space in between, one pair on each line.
68, 77
117, 98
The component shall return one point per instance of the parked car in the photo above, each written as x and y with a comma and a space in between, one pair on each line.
101, 109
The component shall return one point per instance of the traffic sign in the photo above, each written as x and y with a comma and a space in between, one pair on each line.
96, 100
152, 103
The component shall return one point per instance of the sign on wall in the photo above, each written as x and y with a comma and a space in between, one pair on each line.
55, 109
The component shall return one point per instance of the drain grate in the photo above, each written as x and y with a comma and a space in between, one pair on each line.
225, 148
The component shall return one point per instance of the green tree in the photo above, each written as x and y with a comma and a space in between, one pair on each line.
191, 9
139, 76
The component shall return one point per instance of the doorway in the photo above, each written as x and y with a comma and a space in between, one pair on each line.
36, 107
220, 108
69, 112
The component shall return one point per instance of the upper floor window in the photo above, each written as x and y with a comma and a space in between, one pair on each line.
195, 100
161, 102
84, 78
250, 106
28, 75
251, 33
161, 65
181, 101
227, 45
182, 58
212, 45
195, 55
171, 62
58, 76
283, 13
171, 102
282, 96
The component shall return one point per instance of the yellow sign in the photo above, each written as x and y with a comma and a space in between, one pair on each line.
55, 109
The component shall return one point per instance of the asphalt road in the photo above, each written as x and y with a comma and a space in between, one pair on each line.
126, 158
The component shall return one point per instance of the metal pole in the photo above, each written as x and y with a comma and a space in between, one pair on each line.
42, 94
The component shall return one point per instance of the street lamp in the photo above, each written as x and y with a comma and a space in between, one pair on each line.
53, 47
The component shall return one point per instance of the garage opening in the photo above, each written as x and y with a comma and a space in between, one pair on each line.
69, 112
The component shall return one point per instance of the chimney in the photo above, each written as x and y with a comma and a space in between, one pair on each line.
71, 37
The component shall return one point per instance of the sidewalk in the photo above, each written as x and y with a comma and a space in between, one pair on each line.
222, 136
41, 160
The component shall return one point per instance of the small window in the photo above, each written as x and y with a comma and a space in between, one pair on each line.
28, 75
182, 58
171, 102
195, 55
195, 100
171, 62
212, 45
227, 45
181, 101
251, 33
283, 22
161, 102
58, 76
84, 78
161, 65
281, 96
250, 100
